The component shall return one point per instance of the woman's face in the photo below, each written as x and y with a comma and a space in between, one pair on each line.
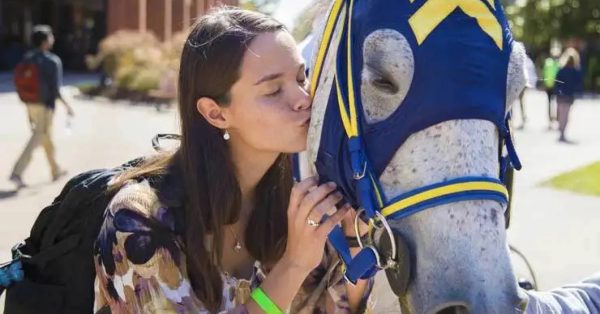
270, 105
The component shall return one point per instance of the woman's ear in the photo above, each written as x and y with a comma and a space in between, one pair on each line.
212, 112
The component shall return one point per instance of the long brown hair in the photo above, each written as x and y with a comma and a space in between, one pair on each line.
210, 65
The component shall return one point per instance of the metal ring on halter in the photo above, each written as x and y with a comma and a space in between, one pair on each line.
377, 257
356, 229
392, 261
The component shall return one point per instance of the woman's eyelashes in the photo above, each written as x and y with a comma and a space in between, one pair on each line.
274, 93
302, 81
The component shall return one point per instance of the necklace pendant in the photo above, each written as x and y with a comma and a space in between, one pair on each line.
238, 247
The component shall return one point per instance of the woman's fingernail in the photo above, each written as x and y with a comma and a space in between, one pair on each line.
332, 184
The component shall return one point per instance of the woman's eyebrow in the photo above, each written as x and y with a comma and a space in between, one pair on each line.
269, 77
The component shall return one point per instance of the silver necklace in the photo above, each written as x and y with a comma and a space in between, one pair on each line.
237, 247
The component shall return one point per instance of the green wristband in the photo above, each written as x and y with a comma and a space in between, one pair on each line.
264, 302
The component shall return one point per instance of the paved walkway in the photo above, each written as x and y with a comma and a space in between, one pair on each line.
557, 230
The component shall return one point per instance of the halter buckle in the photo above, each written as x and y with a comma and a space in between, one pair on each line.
359, 175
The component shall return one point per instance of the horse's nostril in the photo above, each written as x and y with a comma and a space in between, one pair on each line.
454, 309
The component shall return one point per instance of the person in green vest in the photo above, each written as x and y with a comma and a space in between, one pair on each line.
569, 84
550, 70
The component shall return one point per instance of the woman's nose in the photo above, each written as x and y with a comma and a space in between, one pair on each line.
303, 101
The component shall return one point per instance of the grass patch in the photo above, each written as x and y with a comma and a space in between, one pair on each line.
584, 180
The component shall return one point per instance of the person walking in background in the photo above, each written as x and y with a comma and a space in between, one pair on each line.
531, 82
38, 79
568, 83
551, 67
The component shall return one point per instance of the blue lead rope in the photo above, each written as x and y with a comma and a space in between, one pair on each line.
363, 266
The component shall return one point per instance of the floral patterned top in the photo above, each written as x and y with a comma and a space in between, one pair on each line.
140, 265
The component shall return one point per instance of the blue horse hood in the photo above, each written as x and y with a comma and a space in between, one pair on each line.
461, 51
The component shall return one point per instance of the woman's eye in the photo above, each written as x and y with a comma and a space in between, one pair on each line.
274, 93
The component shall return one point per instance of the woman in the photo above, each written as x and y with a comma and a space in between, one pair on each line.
568, 84
218, 225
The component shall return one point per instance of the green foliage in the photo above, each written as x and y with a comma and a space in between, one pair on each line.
592, 74
264, 6
538, 23
145, 80
303, 25
138, 61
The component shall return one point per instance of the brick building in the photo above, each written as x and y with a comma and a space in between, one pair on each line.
79, 25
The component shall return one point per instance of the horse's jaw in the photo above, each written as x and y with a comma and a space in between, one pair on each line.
464, 262
468, 266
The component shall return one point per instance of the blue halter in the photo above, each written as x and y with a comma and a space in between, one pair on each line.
461, 52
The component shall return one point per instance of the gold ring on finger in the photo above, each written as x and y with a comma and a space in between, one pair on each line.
312, 222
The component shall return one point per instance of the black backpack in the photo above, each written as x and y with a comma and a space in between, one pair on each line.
52, 271
57, 259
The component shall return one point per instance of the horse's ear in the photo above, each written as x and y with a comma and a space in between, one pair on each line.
212, 112
516, 74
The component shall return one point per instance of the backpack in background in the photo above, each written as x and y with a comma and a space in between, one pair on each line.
52, 271
57, 258
27, 80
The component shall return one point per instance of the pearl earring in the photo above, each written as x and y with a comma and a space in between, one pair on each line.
226, 135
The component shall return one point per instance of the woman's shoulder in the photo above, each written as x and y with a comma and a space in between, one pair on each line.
135, 195
136, 210
139, 250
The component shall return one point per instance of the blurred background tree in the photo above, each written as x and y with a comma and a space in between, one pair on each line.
303, 25
264, 6
304, 21
540, 24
